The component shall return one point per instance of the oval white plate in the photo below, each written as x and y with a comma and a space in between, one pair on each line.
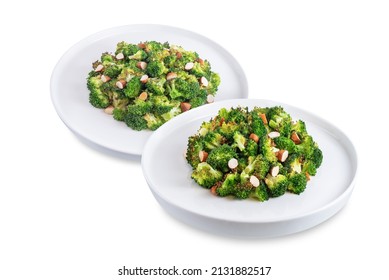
168, 175
71, 97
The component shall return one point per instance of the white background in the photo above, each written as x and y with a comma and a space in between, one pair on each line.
68, 211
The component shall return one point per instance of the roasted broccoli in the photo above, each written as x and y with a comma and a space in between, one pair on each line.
253, 159
218, 158
153, 72
205, 175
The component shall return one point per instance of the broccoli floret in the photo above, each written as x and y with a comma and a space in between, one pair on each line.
119, 100
126, 49
276, 185
153, 122
260, 192
293, 164
139, 55
133, 87
153, 46
182, 90
299, 128
158, 55
213, 83
107, 59
134, 121
266, 149
251, 148
96, 96
257, 124
239, 141
242, 164
284, 143
156, 85
162, 104
201, 69
198, 101
169, 61
306, 147
309, 167
228, 129
229, 185
119, 114
297, 183
195, 145
280, 120
171, 114
257, 166
156, 68
112, 71
237, 115
130, 68
317, 156
218, 158
213, 140
205, 175
243, 190
140, 107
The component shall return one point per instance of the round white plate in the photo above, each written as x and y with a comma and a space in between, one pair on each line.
168, 175
71, 97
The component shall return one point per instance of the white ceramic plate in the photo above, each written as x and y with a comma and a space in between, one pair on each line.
168, 175
71, 97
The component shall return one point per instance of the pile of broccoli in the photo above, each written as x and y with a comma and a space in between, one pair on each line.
147, 84
260, 154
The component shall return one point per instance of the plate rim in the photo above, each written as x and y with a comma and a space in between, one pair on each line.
351, 151
117, 30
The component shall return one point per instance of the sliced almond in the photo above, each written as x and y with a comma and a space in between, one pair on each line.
233, 163
109, 110
144, 79
210, 98
199, 60
274, 134
143, 96
189, 66
204, 81
141, 65
141, 45
254, 181
263, 117
307, 176
275, 150
213, 189
282, 155
105, 78
121, 84
171, 76
295, 138
119, 56
185, 106
274, 170
254, 137
179, 55
203, 155
99, 68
